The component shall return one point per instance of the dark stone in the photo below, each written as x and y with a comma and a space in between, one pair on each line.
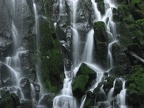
135, 48
6, 45
120, 1
30, 4
101, 53
100, 31
83, 80
116, 52
26, 104
27, 65
90, 100
7, 76
15, 99
26, 88
121, 66
115, 14
101, 6
47, 100
8, 100
100, 94
118, 86
108, 84
37, 91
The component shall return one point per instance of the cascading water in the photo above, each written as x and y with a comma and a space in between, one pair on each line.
111, 91
20, 77
66, 99
37, 34
87, 56
122, 96
13, 62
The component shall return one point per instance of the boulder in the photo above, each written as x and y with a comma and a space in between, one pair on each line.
9, 100
6, 45
8, 77
101, 6
26, 104
100, 31
47, 100
25, 87
83, 80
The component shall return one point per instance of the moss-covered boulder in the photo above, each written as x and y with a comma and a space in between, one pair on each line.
100, 31
82, 81
8, 100
108, 84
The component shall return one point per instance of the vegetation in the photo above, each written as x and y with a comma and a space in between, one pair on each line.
51, 57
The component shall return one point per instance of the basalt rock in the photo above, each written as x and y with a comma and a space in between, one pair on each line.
26, 88
27, 104
6, 45
8, 76
100, 31
9, 100
82, 81
47, 100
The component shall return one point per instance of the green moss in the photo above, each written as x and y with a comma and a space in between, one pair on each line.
51, 72
52, 68
136, 80
80, 82
100, 31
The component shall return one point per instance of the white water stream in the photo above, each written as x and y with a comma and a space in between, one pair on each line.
88, 51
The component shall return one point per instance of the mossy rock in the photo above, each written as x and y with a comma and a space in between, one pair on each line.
83, 80
101, 7
108, 84
100, 31
7, 101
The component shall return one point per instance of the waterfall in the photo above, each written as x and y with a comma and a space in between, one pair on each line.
37, 34
66, 99
122, 96
88, 51
111, 92
83, 50
75, 34
16, 68
75, 20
